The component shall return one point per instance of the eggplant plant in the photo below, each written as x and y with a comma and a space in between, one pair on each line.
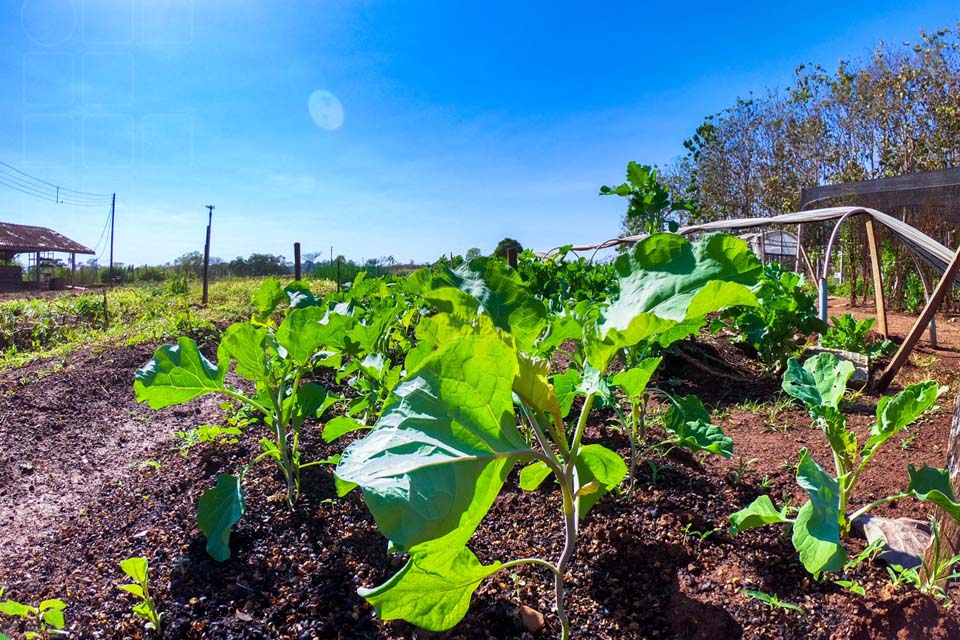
448, 436
822, 523
276, 362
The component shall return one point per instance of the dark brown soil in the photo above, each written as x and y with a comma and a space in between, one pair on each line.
75, 500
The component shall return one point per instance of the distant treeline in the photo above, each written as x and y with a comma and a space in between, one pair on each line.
190, 265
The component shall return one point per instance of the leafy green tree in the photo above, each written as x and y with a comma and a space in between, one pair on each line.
506, 244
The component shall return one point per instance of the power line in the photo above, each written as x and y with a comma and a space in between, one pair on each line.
39, 188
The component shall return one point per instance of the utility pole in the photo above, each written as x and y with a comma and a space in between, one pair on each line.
113, 211
206, 253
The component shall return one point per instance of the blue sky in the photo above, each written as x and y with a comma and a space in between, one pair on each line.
435, 126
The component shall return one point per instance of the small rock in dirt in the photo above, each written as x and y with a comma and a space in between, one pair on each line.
26, 468
531, 618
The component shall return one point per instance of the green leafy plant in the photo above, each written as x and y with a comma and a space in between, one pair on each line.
850, 334
773, 601
137, 570
650, 207
43, 620
448, 435
779, 324
277, 362
822, 523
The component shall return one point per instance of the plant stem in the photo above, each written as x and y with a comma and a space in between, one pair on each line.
570, 543
537, 561
876, 503
581, 425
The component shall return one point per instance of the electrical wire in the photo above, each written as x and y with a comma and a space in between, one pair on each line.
39, 188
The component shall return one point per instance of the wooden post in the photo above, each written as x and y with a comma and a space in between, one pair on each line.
900, 357
73, 269
37, 274
874, 243
296, 260
206, 256
338, 274
949, 527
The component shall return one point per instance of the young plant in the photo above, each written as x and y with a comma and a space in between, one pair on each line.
448, 436
136, 569
850, 334
776, 327
277, 362
822, 523
772, 601
43, 620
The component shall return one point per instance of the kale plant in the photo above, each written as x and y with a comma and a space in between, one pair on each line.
822, 523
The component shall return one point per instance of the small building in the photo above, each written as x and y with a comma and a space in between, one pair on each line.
39, 244
774, 245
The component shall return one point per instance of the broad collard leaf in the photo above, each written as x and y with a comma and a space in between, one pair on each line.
218, 510
266, 298
758, 513
340, 426
533, 475
816, 530
502, 294
601, 466
668, 276
432, 590
299, 295
566, 386
302, 333
933, 485
532, 384
688, 423
821, 381
177, 374
633, 382
443, 446
899, 411
247, 345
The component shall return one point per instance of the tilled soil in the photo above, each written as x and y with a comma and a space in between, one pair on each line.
76, 498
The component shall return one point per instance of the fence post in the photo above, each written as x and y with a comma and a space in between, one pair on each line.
296, 260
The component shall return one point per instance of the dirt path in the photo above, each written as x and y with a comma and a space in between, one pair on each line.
68, 429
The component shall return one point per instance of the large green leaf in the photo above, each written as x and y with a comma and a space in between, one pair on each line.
633, 382
302, 333
758, 513
688, 422
821, 381
600, 469
444, 444
246, 344
816, 530
502, 294
432, 590
218, 510
266, 298
566, 386
533, 386
677, 280
897, 412
933, 485
176, 374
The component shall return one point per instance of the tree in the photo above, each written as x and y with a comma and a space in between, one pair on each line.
505, 245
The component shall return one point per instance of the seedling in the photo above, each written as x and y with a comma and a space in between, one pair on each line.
851, 586
773, 601
43, 620
822, 523
276, 361
743, 466
136, 569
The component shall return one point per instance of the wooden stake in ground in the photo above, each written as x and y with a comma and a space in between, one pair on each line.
206, 254
939, 293
296, 260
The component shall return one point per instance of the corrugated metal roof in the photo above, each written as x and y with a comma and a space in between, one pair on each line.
22, 238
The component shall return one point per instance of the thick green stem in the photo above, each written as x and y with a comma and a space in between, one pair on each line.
570, 543
537, 561
581, 425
